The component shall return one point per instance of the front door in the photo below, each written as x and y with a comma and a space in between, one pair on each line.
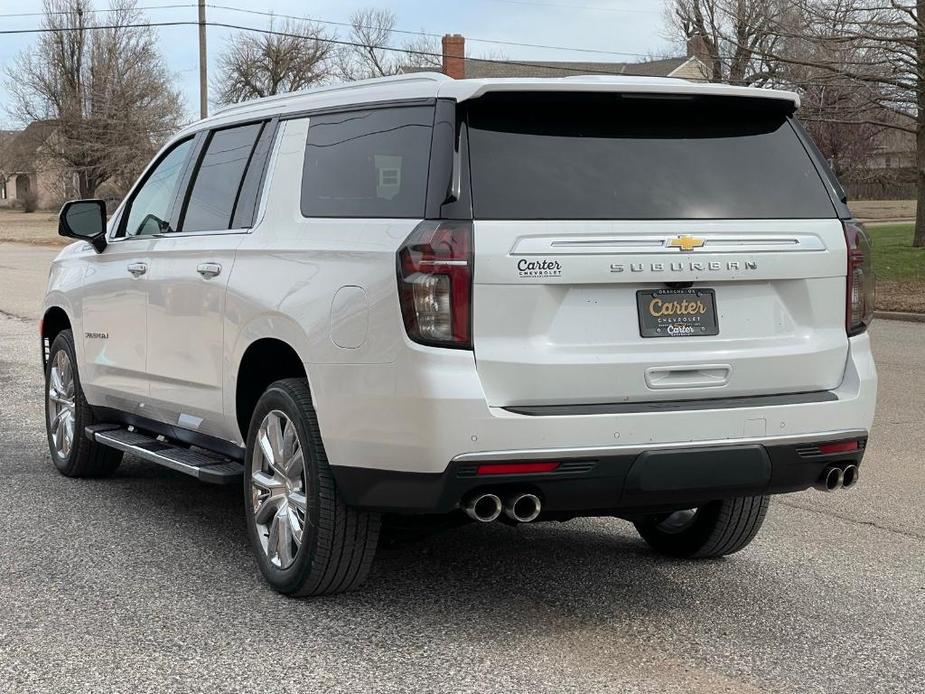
115, 296
114, 327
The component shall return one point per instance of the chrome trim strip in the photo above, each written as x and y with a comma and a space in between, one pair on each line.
603, 451
640, 244
177, 235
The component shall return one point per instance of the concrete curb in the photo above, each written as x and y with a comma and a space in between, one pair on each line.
901, 315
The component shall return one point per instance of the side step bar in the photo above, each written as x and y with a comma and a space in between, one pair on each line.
201, 464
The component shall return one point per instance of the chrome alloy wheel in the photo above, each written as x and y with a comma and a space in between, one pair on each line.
278, 488
62, 416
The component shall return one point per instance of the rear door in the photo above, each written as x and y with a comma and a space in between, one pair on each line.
635, 249
188, 277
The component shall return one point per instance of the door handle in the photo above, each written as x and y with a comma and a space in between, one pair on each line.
209, 270
698, 376
138, 269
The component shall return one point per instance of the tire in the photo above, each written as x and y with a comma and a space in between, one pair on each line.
320, 545
67, 414
715, 529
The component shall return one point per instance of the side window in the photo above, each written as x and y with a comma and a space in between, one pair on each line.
149, 210
217, 181
367, 163
246, 208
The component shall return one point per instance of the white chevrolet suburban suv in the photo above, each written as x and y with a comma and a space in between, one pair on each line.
513, 300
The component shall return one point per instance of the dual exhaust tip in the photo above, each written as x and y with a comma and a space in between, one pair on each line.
836, 477
488, 507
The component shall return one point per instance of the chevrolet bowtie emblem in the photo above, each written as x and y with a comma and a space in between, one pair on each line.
685, 243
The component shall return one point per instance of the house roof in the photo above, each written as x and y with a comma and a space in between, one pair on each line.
18, 150
482, 69
6, 137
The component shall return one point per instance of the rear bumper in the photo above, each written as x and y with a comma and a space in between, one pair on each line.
396, 434
612, 482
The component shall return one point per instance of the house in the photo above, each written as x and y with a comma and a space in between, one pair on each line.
29, 175
892, 149
454, 64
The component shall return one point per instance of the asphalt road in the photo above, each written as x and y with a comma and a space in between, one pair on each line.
144, 582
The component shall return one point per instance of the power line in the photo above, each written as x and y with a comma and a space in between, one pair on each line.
340, 42
498, 42
337, 42
264, 13
103, 11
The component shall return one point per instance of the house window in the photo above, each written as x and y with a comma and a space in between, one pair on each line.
888, 160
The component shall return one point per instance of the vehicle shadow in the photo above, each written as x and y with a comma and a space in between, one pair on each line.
578, 573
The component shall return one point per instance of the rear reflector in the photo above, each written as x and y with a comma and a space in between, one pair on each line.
516, 468
838, 447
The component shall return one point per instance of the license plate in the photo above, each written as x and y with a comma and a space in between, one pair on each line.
677, 312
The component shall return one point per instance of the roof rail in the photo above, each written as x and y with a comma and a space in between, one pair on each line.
341, 87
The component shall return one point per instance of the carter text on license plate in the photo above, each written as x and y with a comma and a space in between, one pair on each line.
677, 312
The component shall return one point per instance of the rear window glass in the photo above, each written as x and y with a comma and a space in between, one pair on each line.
613, 157
367, 163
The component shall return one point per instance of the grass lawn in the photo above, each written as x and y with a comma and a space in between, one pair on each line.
894, 257
40, 227
899, 267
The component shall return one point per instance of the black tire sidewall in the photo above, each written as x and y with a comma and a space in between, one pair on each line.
290, 579
687, 542
82, 415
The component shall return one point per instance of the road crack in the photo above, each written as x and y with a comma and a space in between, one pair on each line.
14, 316
849, 519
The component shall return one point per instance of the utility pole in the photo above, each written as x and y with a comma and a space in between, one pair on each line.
203, 69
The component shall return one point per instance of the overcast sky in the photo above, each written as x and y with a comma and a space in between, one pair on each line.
634, 28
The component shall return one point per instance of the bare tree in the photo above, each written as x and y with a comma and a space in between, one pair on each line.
859, 64
293, 56
875, 49
736, 35
373, 51
841, 114
827, 111
103, 86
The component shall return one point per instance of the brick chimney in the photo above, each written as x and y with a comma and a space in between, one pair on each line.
697, 48
454, 52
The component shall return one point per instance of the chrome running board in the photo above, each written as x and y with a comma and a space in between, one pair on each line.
201, 464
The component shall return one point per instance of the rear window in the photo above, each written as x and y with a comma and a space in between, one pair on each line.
367, 163
609, 156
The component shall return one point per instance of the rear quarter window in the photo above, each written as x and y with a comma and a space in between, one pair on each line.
367, 163
607, 156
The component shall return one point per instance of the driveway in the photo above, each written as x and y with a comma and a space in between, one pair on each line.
144, 582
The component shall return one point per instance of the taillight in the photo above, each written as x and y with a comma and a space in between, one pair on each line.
435, 283
861, 285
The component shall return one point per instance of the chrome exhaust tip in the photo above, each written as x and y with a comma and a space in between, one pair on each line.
850, 476
523, 508
832, 479
483, 508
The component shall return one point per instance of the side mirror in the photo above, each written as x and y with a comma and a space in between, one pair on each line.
84, 220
